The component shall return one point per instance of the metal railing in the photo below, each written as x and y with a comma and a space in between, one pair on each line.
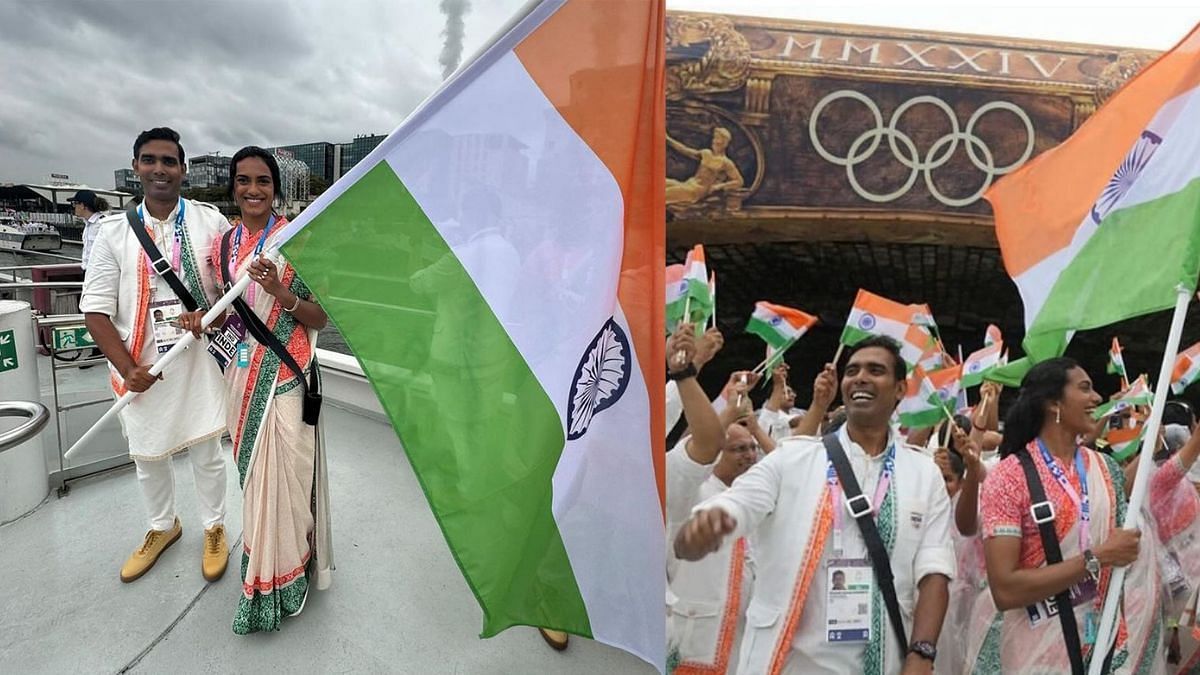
37, 415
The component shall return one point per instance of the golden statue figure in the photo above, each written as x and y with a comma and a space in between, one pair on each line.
716, 172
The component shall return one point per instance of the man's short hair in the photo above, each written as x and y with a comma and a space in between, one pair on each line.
899, 368
157, 134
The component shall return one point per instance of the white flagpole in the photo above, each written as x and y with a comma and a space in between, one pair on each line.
1141, 484
217, 311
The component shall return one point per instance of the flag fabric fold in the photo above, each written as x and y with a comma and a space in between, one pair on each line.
494, 266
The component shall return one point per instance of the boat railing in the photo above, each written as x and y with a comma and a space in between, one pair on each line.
36, 416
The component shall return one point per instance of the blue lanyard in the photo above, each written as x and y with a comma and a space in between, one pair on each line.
178, 216
1079, 498
237, 242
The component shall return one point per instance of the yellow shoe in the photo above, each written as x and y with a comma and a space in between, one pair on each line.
216, 553
555, 638
144, 558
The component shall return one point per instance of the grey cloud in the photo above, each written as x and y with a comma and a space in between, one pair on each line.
82, 77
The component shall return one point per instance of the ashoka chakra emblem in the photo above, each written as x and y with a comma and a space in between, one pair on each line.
775, 320
1126, 174
974, 367
866, 321
600, 379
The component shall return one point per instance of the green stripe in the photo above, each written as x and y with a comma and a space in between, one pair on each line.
1129, 267
922, 418
767, 332
852, 336
481, 434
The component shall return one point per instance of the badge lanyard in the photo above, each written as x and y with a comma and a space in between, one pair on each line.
178, 241
1080, 499
237, 245
835, 492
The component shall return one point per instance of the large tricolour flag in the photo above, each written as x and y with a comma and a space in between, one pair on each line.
496, 267
1104, 226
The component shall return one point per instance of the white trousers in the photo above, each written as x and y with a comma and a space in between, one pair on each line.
157, 479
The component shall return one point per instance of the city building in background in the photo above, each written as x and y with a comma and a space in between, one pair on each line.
207, 171
353, 152
320, 157
126, 180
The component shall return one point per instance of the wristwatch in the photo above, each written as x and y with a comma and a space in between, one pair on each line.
924, 649
1092, 563
683, 373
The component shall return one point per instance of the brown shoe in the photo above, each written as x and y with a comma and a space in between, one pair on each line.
216, 553
144, 558
556, 639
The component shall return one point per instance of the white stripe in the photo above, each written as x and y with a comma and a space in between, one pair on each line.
1173, 165
549, 273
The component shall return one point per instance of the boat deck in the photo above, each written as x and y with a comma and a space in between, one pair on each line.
398, 603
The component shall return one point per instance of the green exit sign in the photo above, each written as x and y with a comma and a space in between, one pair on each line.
72, 337
8, 351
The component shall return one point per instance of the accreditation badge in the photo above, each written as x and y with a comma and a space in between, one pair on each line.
224, 344
850, 587
164, 317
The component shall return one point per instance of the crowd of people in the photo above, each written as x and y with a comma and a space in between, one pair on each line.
831, 540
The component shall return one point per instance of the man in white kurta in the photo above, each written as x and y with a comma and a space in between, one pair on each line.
185, 409
707, 598
784, 504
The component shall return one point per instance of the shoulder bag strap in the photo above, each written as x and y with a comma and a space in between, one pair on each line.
1043, 514
160, 264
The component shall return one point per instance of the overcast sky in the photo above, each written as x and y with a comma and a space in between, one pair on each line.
80, 78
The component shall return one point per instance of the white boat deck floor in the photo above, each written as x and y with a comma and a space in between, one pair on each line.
398, 603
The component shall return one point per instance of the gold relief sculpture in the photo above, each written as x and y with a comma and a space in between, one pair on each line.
1118, 73
716, 173
724, 65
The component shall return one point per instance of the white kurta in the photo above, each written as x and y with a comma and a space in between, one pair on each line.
701, 594
188, 404
776, 503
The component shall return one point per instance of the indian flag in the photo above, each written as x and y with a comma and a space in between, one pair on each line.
1116, 362
1121, 194
980, 363
876, 315
922, 405
676, 295
695, 273
992, 336
1125, 441
932, 359
493, 266
947, 382
1187, 369
1139, 393
778, 325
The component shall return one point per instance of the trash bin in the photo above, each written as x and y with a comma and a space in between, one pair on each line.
24, 481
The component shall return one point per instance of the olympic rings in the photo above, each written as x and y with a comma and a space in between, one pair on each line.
905, 151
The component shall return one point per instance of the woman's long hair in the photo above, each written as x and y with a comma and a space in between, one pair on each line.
1044, 382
